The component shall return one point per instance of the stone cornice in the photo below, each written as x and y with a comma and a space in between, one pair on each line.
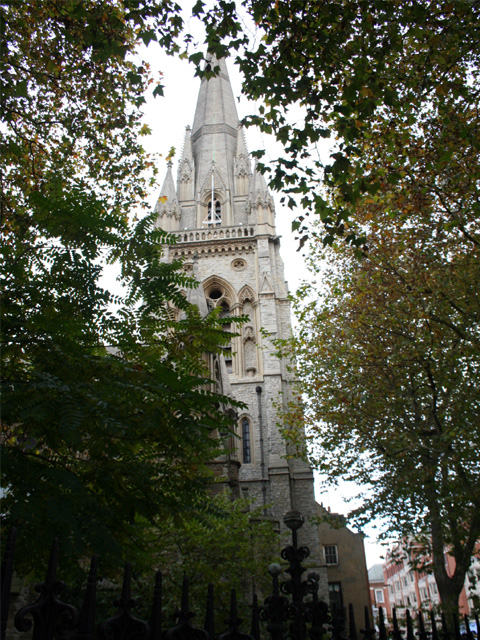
213, 128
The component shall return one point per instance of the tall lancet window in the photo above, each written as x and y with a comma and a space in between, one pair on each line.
246, 446
214, 215
216, 297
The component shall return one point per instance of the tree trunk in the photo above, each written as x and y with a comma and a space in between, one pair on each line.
449, 587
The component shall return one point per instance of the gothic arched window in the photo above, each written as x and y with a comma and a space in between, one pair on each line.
214, 215
246, 443
216, 297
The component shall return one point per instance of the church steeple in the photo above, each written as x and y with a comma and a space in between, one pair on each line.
214, 131
215, 184
225, 236
214, 141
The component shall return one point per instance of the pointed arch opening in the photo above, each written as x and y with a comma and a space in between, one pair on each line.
214, 213
213, 205
219, 294
245, 440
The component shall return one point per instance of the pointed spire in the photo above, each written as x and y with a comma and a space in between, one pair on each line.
214, 131
186, 168
215, 104
242, 151
187, 153
258, 187
259, 201
241, 167
167, 203
168, 188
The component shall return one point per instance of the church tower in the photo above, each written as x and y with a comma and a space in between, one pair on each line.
222, 215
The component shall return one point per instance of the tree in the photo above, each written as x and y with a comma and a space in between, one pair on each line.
108, 417
405, 75
388, 365
228, 543
395, 86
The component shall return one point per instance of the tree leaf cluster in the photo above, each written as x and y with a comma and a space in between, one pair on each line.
402, 77
109, 416
388, 365
227, 543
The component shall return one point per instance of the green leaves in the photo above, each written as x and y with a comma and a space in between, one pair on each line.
223, 540
388, 366
108, 411
371, 80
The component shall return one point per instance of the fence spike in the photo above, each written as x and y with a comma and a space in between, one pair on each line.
209, 625
422, 634
48, 611
127, 576
6, 579
368, 632
234, 632
255, 627
156, 615
381, 624
185, 594
433, 624
86, 625
352, 628
234, 619
124, 625
410, 634
396, 629
445, 632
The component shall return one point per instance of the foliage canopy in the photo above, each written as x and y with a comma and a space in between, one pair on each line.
108, 417
389, 362
359, 73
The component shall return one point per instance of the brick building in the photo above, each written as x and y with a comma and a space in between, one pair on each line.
418, 590
344, 558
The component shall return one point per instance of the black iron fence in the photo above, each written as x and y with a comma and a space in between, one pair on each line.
292, 611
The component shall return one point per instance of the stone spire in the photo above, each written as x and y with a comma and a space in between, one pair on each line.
167, 204
241, 166
260, 203
214, 131
186, 169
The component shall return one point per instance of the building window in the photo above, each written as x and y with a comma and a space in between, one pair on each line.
331, 555
379, 599
433, 587
246, 449
335, 595
217, 297
214, 215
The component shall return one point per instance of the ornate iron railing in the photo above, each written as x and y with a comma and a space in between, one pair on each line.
292, 611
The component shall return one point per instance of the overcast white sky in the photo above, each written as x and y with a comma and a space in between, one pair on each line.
167, 117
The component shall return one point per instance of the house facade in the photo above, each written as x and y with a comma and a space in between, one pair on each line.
343, 553
411, 589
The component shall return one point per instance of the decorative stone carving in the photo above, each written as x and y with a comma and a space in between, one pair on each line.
248, 334
239, 264
246, 294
